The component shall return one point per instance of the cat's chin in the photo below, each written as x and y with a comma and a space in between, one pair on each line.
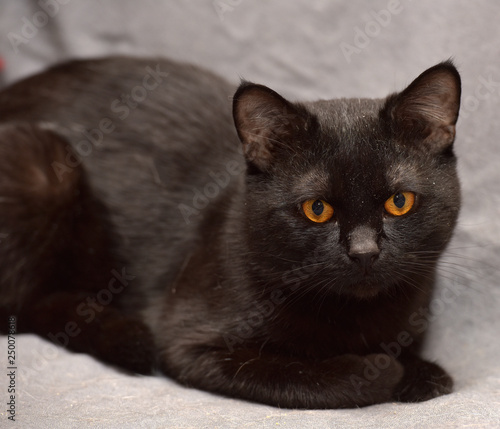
363, 290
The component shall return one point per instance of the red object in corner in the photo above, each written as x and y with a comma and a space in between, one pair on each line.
2, 66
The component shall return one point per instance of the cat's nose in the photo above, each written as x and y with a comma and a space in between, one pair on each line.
365, 260
363, 247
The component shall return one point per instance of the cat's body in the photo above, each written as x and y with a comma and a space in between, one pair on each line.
167, 244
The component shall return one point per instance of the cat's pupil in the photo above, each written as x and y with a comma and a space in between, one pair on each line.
317, 207
399, 200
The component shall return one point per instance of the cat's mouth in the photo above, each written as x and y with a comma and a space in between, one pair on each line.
364, 283
364, 290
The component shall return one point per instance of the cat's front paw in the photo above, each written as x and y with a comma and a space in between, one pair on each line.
423, 381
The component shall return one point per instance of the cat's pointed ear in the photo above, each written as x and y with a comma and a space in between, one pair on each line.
266, 124
426, 112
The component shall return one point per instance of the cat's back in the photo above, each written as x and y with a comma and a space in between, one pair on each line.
85, 90
151, 134
114, 104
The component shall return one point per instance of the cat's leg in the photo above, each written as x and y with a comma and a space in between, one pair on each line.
81, 322
422, 381
36, 210
339, 382
55, 253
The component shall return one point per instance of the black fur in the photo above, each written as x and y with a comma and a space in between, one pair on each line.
136, 227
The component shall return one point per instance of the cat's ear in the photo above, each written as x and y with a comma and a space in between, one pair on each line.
426, 112
266, 124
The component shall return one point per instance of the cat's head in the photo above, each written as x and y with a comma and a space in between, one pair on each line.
351, 196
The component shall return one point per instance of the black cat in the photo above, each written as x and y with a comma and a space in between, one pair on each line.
291, 269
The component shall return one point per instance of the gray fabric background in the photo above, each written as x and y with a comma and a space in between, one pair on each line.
296, 48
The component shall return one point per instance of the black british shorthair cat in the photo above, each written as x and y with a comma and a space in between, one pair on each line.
280, 252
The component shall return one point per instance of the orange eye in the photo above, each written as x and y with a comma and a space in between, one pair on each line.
400, 203
318, 211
